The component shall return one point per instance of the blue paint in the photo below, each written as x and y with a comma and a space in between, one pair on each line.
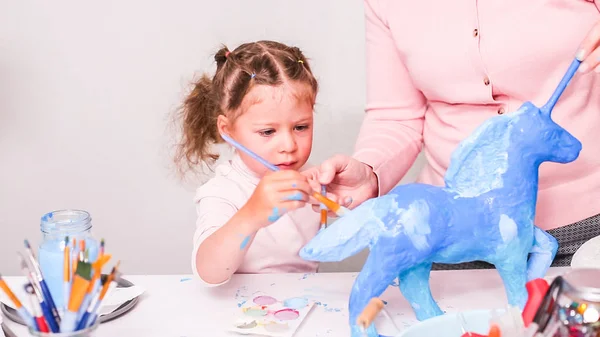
241, 303
295, 196
245, 242
295, 303
185, 279
484, 212
276, 214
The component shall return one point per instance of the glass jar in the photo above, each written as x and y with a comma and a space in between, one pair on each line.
572, 305
55, 227
87, 332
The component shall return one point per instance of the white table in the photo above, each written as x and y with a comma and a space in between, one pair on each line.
175, 305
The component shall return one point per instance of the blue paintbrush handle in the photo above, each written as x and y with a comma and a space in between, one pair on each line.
49, 301
82, 322
561, 86
250, 153
49, 317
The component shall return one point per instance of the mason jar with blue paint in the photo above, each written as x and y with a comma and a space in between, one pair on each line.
55, 227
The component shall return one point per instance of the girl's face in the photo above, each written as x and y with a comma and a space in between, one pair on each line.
277, 124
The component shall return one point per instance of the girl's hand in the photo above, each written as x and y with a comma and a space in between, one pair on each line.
589, 51
276, 194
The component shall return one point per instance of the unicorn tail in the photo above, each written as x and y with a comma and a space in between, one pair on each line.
347, 236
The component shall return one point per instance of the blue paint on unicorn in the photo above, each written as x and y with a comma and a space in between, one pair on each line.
484, 212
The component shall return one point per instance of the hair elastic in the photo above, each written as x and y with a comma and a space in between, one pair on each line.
227, 54
253, 75
300, 61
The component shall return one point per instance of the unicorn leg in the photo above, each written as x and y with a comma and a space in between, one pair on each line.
513, 271
371, 282
542, 254
414, 285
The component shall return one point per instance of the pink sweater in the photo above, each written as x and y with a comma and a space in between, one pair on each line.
437, 69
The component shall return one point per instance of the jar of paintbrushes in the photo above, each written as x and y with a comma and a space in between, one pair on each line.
65, 287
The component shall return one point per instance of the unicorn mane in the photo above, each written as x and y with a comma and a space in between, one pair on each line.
480, 160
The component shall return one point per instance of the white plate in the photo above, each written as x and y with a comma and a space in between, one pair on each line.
588, 255
448, 325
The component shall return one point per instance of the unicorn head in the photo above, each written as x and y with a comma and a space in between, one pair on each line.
518, 140
540, 138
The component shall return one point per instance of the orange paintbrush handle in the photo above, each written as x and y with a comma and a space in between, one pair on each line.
78, 289
332, 205
369, 313
109, 279
10, 294
67, 261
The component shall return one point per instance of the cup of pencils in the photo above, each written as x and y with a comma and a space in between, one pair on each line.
84, 288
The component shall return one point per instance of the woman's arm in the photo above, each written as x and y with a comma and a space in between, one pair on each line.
391, 134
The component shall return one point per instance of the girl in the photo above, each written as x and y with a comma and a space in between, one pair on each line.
262, 95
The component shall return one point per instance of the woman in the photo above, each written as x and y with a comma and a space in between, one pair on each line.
437, 70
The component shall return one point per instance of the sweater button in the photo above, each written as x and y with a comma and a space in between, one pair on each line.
501, 111
486, 81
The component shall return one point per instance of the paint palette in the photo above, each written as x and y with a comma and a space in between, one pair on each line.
268, 316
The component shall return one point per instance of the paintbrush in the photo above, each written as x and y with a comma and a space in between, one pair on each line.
332, 205
82, 251
25, 315
45, 308
40, 322
81, 282
94, 284
75, 258
371, 310
90, 316
367, 316
323, 208
43, 286
67, 274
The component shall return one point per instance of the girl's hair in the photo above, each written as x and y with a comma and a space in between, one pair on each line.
257, 63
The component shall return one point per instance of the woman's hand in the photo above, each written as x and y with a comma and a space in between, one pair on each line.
351, 181
589, 51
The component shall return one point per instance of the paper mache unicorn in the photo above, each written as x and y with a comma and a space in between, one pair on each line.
484, 212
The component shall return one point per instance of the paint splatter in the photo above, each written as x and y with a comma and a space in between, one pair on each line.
241, 295
276, 214
327, 308
305, 276
295, 196
185, 279
384, 302
245, 242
